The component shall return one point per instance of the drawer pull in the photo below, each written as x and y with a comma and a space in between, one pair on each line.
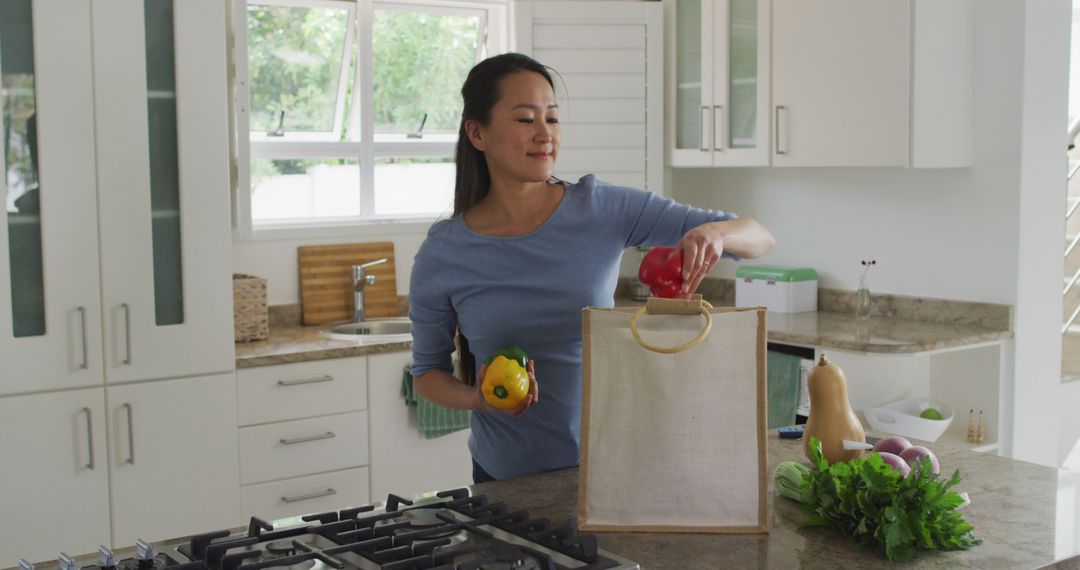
327, 378
314, 495
305, 438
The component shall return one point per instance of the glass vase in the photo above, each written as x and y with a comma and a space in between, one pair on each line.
863, 306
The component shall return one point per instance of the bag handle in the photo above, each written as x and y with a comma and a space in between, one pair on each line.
657, 306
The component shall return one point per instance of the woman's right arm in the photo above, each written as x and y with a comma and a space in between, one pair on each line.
434, 323
440, 387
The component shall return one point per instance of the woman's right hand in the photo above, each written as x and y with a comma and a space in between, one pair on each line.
482, 405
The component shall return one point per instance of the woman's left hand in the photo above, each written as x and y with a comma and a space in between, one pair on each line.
701, 248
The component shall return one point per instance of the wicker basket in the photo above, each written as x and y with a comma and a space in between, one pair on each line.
249, 308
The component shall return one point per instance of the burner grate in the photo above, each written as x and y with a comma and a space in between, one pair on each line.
454, 532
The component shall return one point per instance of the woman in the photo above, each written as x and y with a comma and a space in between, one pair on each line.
520, 258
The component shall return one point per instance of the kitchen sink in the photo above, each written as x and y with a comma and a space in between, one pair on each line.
371, 330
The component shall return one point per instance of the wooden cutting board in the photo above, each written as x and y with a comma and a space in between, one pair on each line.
326, 291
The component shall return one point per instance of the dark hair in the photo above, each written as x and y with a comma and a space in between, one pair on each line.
481, 92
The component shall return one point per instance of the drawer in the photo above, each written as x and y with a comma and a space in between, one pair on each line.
304, 495
302, 447
301, 390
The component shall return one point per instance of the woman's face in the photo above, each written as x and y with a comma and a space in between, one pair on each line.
522, 140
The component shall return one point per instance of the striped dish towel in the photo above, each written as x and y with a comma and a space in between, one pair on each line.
783, 388
432, 419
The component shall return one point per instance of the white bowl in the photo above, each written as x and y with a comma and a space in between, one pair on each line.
902, 418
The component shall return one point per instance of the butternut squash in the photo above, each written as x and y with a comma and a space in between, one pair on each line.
831, 418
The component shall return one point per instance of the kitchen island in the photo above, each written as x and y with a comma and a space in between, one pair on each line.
1027, 515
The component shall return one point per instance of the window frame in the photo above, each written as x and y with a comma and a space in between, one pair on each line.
351, 7
366, 148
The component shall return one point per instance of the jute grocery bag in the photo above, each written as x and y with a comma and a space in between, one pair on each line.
673, 419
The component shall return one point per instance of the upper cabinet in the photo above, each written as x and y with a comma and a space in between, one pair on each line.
872, 83
853, 83
718, 83
163, 186
114, 257
49, 298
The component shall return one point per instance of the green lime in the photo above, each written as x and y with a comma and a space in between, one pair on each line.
931, 414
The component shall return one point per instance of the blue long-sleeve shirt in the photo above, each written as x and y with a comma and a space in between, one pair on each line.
529, 291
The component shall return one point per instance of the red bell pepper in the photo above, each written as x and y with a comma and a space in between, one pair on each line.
661, 270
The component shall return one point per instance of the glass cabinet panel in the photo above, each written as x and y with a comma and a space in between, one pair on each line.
164, 162
22, 192
688, 74
742, 78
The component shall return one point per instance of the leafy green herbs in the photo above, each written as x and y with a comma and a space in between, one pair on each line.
872, 503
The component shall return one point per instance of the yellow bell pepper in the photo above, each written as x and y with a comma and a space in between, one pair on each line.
505, 383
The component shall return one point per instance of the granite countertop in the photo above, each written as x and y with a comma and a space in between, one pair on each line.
295, 343
1014, 508
898, 325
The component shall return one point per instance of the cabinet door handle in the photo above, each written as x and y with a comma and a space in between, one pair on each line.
329, 491
718, 127
704, 143
89, 436
302, 439
781, 132
85, 353
131, 434
127, 331
327, 378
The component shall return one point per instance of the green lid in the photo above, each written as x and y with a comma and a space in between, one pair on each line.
776, 273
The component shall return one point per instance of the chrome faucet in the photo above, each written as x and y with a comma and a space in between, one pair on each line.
360, 281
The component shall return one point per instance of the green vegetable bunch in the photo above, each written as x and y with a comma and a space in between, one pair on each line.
871, 502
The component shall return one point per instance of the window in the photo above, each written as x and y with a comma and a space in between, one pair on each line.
351, 108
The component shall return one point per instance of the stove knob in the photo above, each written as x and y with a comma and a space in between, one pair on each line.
144, 553
66, 563
25, 565
106, 559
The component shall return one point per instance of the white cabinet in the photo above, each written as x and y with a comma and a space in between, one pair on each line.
301, 447
403, 462
49, 298
718, 82
163, 186
303, 437
151, 230
302, 390
115, 267
825, 83
172, 457
347, 438
56, 487
158, 460
321, 492
872, 83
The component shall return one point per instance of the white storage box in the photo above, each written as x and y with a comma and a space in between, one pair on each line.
778, 289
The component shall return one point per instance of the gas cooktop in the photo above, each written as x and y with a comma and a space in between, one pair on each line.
450, 530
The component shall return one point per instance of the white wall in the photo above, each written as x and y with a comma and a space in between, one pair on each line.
1043, 165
